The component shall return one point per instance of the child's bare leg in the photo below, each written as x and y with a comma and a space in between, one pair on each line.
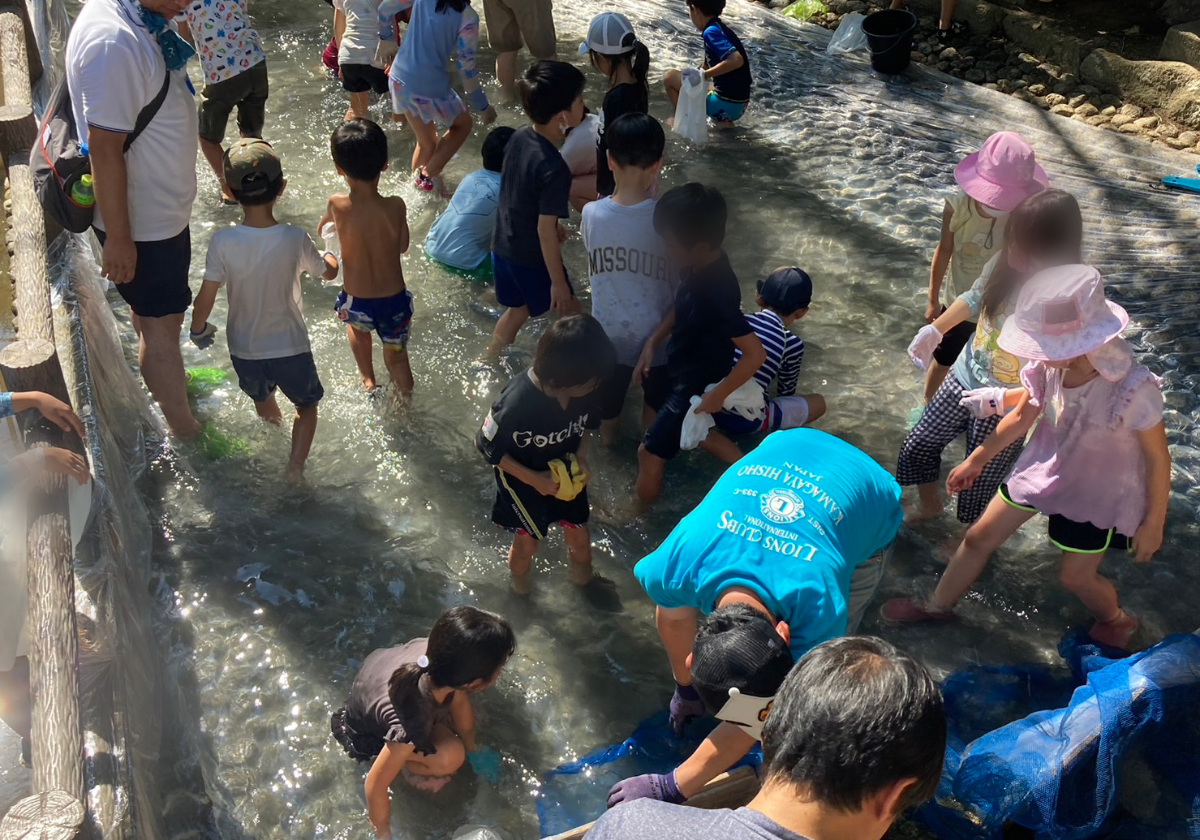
304, 429
448, 146
268, 411
673, 83
651, 469
579, 552
507, 327
999, 522
449, 758
399, 370
608, 431
929, 504
427, 141
721, 447
1080, 575
360, 105
362, 348
816, 407
215, 155
648, 415
506, 75
520, 562
583, 191
934, 377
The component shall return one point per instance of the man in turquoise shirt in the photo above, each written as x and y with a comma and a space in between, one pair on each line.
799, 531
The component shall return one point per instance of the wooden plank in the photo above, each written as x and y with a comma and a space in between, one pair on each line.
729, 790
53, 815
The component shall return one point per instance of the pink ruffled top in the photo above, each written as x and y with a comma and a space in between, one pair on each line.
1084, 460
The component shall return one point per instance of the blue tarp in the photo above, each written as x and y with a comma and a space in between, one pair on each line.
574, 794
1119, 758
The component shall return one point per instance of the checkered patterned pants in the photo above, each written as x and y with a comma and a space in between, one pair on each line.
944, 420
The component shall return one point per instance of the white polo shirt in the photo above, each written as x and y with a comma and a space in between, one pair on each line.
114, 70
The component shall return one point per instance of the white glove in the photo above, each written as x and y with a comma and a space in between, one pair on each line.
985, 402
204, 338
329, 235
692, 76
922, 347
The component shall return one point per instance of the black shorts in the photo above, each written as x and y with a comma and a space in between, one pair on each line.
247, 92
160, 282
953, 342
296, 376
613, 390
1076, 537
662, 438
521, 509
519, 285
359, 746
360, 78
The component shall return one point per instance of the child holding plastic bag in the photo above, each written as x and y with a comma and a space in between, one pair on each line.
725, 63
535, 438
1097, 464
1043, 231
991, 183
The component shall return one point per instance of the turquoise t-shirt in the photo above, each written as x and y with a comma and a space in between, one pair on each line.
790, 521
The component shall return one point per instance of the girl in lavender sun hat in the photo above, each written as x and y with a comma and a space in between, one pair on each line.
992, 182
1097, 464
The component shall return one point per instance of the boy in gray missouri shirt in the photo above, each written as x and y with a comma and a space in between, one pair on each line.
830, 768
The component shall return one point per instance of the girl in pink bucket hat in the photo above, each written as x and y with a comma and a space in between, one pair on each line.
992, 182
1097, 464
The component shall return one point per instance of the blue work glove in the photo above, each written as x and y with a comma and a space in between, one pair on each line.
650, 786
686, 706
204, 338
485, 761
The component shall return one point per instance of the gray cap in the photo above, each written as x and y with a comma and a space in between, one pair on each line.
610, 33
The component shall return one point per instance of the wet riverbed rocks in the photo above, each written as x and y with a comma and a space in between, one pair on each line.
1027, 56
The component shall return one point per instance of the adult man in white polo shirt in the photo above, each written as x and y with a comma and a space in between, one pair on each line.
118, 55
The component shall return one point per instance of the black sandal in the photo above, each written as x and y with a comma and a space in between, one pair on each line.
957, 29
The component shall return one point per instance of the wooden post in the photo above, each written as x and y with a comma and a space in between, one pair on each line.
729, 790
53, 815
32, 365
27, 235
32, 58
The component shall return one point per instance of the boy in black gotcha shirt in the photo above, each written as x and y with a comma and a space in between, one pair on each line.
541, 417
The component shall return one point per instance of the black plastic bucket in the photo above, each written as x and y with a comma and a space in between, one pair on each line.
890, 37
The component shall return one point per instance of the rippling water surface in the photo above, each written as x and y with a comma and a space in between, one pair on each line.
282, 592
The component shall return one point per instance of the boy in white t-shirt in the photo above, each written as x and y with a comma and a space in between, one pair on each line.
632, 286
260, 262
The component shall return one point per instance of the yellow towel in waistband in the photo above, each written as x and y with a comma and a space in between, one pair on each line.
571, 479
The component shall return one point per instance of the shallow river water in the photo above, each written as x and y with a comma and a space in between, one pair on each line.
282, 592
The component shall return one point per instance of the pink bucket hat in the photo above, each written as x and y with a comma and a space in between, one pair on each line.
1062, 314
1003, 173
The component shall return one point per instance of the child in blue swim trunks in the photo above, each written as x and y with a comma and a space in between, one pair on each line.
373, 231
725, 62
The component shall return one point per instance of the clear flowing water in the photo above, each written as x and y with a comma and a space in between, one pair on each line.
281, 592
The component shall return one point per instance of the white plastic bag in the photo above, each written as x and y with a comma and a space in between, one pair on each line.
691, 114
747, 401
579, 149
849, 35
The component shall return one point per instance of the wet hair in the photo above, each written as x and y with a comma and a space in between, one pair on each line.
1047, 226
636, 55
737, 647
466, 644
854, 717
495, 146
549, 88
574, 351
712, 8
360, 149
692, 214
456, 5
257, 190
635, 140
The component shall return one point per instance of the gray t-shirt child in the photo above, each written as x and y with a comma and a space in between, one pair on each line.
649, 819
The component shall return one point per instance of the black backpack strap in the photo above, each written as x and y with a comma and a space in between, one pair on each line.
149, 112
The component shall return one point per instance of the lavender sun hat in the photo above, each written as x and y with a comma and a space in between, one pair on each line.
1003, 173
1062, 314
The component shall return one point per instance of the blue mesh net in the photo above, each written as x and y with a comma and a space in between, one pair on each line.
1119, 757
574, 794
